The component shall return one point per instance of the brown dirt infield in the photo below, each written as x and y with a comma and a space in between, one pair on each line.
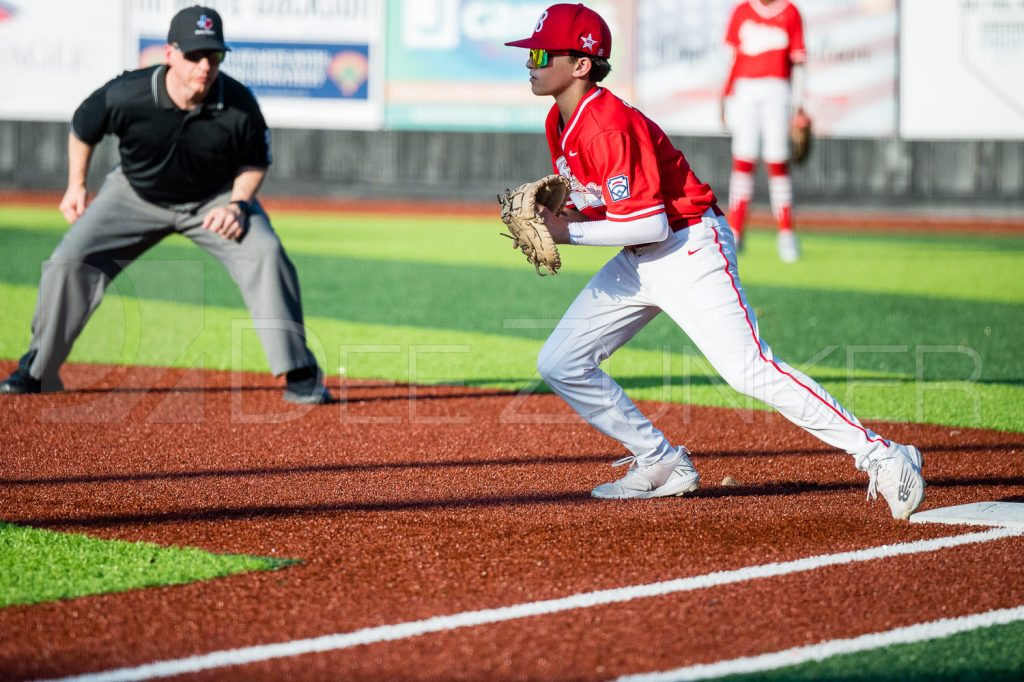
411, 502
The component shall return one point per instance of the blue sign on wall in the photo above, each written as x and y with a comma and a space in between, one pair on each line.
276, 69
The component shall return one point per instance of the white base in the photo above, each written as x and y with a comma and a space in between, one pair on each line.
1003, 514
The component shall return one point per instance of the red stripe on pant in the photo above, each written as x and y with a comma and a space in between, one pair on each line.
757, 341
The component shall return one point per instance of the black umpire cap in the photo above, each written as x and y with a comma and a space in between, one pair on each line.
197, 28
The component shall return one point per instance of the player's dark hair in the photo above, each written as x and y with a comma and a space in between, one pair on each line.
599, 66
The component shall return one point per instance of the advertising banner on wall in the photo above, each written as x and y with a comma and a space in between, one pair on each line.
963, 62
448, 67
852, 66
850, 74
682, 63
49, 63
310, 64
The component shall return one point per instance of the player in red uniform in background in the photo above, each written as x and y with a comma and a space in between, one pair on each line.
632, 188
766, 78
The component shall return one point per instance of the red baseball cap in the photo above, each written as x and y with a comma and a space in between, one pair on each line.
568, 26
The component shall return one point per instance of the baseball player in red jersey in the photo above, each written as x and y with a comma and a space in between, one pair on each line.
767, 37
632, 188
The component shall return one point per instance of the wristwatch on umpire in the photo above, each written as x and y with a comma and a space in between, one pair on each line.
243, 205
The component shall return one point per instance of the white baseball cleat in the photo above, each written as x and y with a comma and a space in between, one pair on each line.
788, 246
672, 476
896, 473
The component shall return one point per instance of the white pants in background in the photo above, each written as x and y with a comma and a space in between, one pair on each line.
759, 112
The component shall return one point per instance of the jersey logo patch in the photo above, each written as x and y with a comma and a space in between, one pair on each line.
618, 187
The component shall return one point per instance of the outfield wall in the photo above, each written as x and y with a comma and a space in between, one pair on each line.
469, 166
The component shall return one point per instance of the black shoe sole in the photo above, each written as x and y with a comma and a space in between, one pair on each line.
8, 389
322, 397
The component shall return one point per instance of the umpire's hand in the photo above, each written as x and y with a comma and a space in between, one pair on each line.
72, 206
227, 221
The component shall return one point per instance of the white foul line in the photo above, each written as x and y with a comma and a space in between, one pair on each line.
911, 634
387, 633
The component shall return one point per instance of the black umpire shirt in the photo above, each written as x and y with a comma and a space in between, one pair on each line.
169, 155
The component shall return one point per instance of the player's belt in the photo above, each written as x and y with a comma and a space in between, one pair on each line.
678, 225
690, 222
683, 224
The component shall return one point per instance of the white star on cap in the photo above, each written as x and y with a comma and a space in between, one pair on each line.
588, 41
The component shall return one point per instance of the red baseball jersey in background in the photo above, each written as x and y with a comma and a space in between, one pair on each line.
622, 166
768, 39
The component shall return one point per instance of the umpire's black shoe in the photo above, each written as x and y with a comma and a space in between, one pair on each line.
306, 387
21, 382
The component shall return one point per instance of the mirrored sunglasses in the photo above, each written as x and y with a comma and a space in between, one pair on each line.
540, 57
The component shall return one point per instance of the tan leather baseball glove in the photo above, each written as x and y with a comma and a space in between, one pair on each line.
800, 137
529, 233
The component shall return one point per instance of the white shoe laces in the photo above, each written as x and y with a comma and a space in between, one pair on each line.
873, 481
635, 466
633, 472
873, 470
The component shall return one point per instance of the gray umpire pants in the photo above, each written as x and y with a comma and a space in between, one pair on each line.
118, 227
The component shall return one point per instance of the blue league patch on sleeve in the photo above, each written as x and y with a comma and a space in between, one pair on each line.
618, 187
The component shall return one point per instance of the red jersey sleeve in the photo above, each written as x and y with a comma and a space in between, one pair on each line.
630, 181
797, 49
732, 39
732, 32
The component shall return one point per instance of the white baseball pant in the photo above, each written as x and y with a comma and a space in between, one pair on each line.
692, 276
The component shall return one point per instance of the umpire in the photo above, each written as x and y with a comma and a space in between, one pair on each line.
194, 151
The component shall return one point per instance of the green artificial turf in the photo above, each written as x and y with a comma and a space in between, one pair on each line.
991, 654
898, 327
41, 565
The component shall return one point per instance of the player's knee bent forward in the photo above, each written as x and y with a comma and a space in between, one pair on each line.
552, 366
547, 366
561, 369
